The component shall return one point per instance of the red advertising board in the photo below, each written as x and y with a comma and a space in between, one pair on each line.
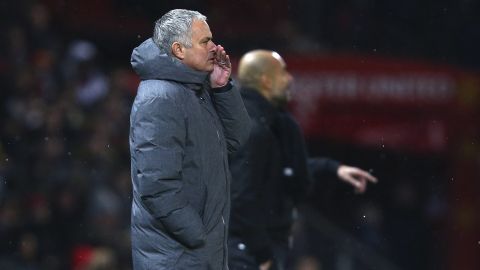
405, 106
380, 102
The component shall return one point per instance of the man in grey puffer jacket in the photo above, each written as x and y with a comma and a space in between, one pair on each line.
185, 120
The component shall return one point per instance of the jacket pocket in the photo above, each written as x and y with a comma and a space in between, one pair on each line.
197, 196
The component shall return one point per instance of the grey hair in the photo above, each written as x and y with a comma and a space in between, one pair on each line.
175, 26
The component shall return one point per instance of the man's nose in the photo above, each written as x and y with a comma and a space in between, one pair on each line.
213, 47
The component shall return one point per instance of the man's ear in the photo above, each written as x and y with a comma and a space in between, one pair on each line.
178, 50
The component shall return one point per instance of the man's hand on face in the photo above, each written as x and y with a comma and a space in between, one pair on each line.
222, 68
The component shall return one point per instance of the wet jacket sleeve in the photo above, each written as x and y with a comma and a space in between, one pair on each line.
323, 167
233, 115
250, 167
158, 143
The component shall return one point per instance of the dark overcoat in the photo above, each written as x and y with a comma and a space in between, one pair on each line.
180, 136
271, 174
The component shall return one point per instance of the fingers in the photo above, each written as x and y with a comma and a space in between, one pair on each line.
222, 57
362, 186
358, 178
220, 53
228, 59
356, 183
366, 175
362, 178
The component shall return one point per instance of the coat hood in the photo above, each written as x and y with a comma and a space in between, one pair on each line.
150, 63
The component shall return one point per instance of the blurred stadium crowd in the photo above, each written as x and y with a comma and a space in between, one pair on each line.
64, 169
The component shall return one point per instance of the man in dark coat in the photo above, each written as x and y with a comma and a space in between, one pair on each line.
271, 171
186, 119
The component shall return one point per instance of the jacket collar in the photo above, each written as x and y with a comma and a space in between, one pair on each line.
259, 105
150, 63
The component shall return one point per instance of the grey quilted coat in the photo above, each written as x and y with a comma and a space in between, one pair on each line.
180, 136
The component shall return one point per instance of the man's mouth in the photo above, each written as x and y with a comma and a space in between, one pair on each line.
212, 57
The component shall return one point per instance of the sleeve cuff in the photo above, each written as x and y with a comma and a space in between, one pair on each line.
333, 165
227, 87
